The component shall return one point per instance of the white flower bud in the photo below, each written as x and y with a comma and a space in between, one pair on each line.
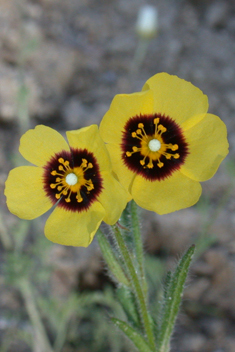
147, 22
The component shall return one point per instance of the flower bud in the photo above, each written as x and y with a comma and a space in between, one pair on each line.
147, 22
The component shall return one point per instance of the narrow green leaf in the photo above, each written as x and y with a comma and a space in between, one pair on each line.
172, 299
128, 303
133, 335
167, 282
111, 260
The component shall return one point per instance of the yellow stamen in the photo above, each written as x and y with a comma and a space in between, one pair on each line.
153, 154
68, 200
150, 164
89, 185
65, 186
79, 197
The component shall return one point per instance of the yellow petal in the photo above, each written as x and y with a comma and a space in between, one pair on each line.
26, 197
208, 146
174, 193
89, 138
122, 108
113, 198
176, 97
192, 121
40, 144
73, 228
124, 175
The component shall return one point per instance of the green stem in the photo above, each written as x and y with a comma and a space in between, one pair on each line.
4, 236
138, 244
111, 260
136, 287
140, 54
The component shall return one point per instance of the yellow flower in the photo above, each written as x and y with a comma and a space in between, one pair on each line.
77, 178
162, 142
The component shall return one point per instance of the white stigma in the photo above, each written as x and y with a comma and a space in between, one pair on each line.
154, 145
71, 179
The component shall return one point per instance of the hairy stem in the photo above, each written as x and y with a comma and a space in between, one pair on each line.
136, 287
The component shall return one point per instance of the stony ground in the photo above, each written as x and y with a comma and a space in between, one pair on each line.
61, 63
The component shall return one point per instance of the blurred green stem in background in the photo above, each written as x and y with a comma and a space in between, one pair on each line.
40, 334
146, 29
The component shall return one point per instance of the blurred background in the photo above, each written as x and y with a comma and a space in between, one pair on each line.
61, 63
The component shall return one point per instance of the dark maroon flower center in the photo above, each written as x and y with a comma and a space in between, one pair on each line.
153, 146
73, 179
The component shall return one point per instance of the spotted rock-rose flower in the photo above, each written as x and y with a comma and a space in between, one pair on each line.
76, 178
162, 143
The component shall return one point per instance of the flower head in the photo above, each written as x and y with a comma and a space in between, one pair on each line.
76, 178
162, 142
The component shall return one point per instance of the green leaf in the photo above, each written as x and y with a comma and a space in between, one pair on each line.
133, 335
127, 301
167, 282
172, 299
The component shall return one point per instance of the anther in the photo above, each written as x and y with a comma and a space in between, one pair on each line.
168, 156
162, 129
89, 185
174, 147
68, 200
84, 163
156, 121
150, 164
79, 197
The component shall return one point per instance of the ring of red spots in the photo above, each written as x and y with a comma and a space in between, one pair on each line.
173, 135
75, 160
